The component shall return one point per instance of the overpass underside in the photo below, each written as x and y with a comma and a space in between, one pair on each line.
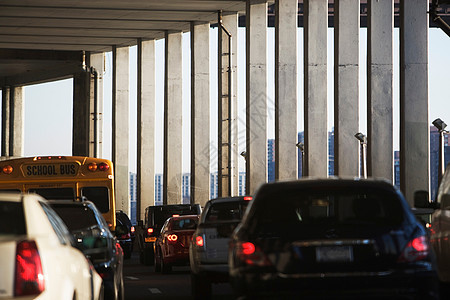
70, 41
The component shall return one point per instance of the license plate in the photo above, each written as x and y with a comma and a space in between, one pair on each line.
150, 239
334, 254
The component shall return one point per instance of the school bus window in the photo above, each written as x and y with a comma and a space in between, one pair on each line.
10, 191
99, 195
55, 193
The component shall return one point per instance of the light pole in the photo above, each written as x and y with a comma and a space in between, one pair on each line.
440, 125
301, 146
363, 143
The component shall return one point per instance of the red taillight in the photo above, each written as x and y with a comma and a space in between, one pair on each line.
251, 255
175, 215
172, 237
103, 167
248, 198
29, 279
199, 241
416, 249
149, 231
132, 229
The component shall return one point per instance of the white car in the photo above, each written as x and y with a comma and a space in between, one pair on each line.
37, 258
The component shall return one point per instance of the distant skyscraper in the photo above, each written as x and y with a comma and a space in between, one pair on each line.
133, 193
271, 160
158, 189
186, 188
214, 185
301, 139
242, 176
397, 169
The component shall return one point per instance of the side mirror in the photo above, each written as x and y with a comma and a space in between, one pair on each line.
421, 199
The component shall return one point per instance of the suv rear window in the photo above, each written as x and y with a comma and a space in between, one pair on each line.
76, 217
12, 219
184, 224
314, 208
226, 211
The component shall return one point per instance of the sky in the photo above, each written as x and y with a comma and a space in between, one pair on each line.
48, 106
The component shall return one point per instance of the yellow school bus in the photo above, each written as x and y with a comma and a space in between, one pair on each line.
63, 178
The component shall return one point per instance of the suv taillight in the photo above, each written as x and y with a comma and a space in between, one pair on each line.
29, 277
149, 231
251, 255
416, 249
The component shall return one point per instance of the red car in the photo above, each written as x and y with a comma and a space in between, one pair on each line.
172, 246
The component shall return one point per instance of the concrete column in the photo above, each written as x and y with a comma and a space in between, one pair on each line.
315, 85
120, 124
256, 102
173, 95
414, 124
346, 87
200, 115
97, 61
231, 24
146, 97
380, 149
17, 119
81, 114
286, 160
6, 119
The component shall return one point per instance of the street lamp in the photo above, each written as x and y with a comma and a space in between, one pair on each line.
363, 143
301, 146
440, 125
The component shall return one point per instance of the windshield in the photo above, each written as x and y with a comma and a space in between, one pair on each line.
226, 211
55, 193
76, 217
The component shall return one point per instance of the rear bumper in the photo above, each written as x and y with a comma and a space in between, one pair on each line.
392, 283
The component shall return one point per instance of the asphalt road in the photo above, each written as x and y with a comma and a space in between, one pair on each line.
141, 282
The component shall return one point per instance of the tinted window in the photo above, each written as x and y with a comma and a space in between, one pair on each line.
184, 224
226, 211
316, 208
76, 217
55, 193
12, 219
99, 195
58, 225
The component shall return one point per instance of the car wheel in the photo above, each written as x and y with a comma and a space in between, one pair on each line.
165, 268
200, 287
158, 261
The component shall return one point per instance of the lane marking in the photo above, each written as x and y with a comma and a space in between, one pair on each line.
131, 278
154, 291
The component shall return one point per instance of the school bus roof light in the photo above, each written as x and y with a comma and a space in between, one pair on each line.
92, 167
7, 169
103, 166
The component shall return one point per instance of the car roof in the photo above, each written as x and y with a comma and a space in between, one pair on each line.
227, 199
312, 182
10, 196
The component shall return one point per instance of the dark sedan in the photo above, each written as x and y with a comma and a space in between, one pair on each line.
93, 237
331, 238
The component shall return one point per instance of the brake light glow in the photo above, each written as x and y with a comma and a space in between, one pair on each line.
92, 167
172, 237
103, 167
132, 229
248, 198
149, 231
250, 254
199, 241
416, 249
29, 277
7, 169
175, 215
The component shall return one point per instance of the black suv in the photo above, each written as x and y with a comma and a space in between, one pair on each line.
124, 233
331, 237
95, 240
